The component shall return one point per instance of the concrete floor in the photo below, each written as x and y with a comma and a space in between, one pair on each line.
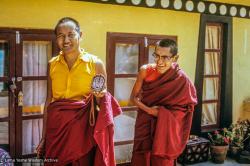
228, 162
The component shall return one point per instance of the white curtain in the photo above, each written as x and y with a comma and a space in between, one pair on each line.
211, 84
213, 37
126, 62
123, 88
209, 114
124, 131
35, 58
126, 58
151, 50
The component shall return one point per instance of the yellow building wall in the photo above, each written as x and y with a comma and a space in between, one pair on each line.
238, 2
98, 19
241, 62
241, 67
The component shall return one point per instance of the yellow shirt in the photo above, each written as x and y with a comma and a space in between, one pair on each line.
74, 83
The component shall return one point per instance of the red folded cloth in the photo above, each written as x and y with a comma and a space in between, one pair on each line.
69, 137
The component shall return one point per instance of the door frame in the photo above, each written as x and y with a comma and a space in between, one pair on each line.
226, 74
15, 112
11, 119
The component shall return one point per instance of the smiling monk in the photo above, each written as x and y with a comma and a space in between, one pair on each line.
74, 133
166, 98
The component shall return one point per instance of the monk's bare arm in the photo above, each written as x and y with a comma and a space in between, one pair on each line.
100, 69
134, 98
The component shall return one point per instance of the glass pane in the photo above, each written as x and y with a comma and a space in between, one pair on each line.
123, 153
35, 57
32, 133
125, 126
4, 100
211, 63
4, 58
123, 88
151, 49
209, 114
4, 135
126, 58
210, 89
213, 37
34, 96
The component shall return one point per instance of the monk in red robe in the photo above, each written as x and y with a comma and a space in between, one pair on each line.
166, 98
74, 132
70, 140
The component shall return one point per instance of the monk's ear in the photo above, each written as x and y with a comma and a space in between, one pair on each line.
80, 36
176, 58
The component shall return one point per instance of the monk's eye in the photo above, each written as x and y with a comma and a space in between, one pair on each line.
60, 36
72, 35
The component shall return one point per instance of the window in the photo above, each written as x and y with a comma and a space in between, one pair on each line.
125, 54
213, 75
24, 55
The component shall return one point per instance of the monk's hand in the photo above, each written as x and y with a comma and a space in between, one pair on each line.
41, 149
153, 111
99, 94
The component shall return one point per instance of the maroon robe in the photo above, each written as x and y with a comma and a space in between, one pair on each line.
71, 140
160, 140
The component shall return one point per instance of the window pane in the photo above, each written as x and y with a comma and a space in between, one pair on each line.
4, 58
123, 88
151, 49
125, 126
211, 63
209, 114
213, 37
34, 97
32, 133
210, 89
126, 58
4, 135
123, 153
35, 57
4, 101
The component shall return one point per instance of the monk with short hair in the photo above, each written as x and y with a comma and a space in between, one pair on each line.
78, 122
166, 98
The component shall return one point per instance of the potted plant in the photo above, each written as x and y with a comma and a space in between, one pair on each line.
220, 141
239, 136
